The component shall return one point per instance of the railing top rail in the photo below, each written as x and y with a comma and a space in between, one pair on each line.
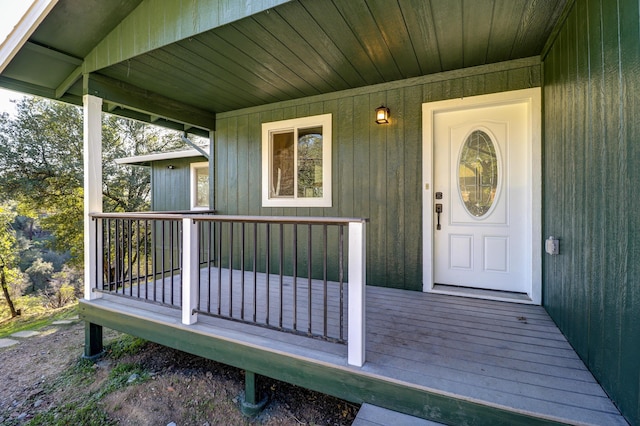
300, 220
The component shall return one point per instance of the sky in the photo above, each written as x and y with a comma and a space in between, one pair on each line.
10, 13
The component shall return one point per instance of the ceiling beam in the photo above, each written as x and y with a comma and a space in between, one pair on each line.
157, 23
169, 124
68, 82
54, 54
33, 89
151, 104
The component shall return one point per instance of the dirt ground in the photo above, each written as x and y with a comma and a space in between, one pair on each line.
172, 387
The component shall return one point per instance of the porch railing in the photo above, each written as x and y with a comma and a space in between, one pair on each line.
286, 273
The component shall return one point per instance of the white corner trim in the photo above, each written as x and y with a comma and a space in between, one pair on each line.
193, 185
23, 30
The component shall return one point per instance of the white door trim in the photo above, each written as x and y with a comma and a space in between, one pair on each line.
534, 238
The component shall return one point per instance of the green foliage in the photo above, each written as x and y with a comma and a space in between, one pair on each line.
39, 273
120, 377
8, 239
41, 166
124, 345
73, 413
31, 304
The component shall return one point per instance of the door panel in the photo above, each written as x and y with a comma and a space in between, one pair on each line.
480, 166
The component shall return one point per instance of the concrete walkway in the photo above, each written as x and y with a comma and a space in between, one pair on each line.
7, 342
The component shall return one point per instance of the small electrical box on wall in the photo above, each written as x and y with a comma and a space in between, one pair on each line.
552, 246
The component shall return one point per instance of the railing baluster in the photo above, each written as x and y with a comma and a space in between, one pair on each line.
268, 269
130, 255
210, 236
230, 269
180, 233
116, 255
242, 272
99, 249
255, 270
171, 259
138, 272
162, 272
108, 257
324, 276
341, 277
309, 277
154, 258
281, 266
146, 260
219, 268
295, 276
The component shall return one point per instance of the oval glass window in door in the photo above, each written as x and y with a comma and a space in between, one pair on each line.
478, 173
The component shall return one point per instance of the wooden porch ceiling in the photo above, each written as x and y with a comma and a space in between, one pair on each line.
296, 49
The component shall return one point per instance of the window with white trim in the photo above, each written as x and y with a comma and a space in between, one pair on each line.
296, 162
200, 186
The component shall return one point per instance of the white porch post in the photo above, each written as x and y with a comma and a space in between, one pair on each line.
92, 191
357, 286
190, 270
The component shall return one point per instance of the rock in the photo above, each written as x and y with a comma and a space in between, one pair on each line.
133, 378
37, 403
22, 416
172, 424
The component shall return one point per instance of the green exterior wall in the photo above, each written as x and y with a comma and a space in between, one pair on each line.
591, 171
170, 188
377, 169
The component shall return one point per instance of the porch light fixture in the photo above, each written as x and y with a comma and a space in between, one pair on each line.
382, 115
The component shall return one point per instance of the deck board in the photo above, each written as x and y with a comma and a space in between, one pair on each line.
490, 352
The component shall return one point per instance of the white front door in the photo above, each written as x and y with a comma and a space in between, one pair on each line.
481, 195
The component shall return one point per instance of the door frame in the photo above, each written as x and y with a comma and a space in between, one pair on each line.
532, 97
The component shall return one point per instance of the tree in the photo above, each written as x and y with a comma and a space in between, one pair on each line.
8, 243
41, 165
40, 273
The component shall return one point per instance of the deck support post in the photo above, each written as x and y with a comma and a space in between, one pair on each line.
357, 286
92, 141
190, 271
93, 348
251, 405
250, 387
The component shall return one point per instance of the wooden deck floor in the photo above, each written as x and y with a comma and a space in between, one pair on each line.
497, 354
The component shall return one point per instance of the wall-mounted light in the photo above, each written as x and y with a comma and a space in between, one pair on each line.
382, 115
171, 167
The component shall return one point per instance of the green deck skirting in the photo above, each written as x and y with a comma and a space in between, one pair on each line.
342, 382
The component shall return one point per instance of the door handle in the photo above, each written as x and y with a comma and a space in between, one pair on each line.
438, 211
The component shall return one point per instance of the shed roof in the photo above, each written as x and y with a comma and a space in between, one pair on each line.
146, 160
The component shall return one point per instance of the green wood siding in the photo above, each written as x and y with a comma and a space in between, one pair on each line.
591, 171
377, 169
170, 187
